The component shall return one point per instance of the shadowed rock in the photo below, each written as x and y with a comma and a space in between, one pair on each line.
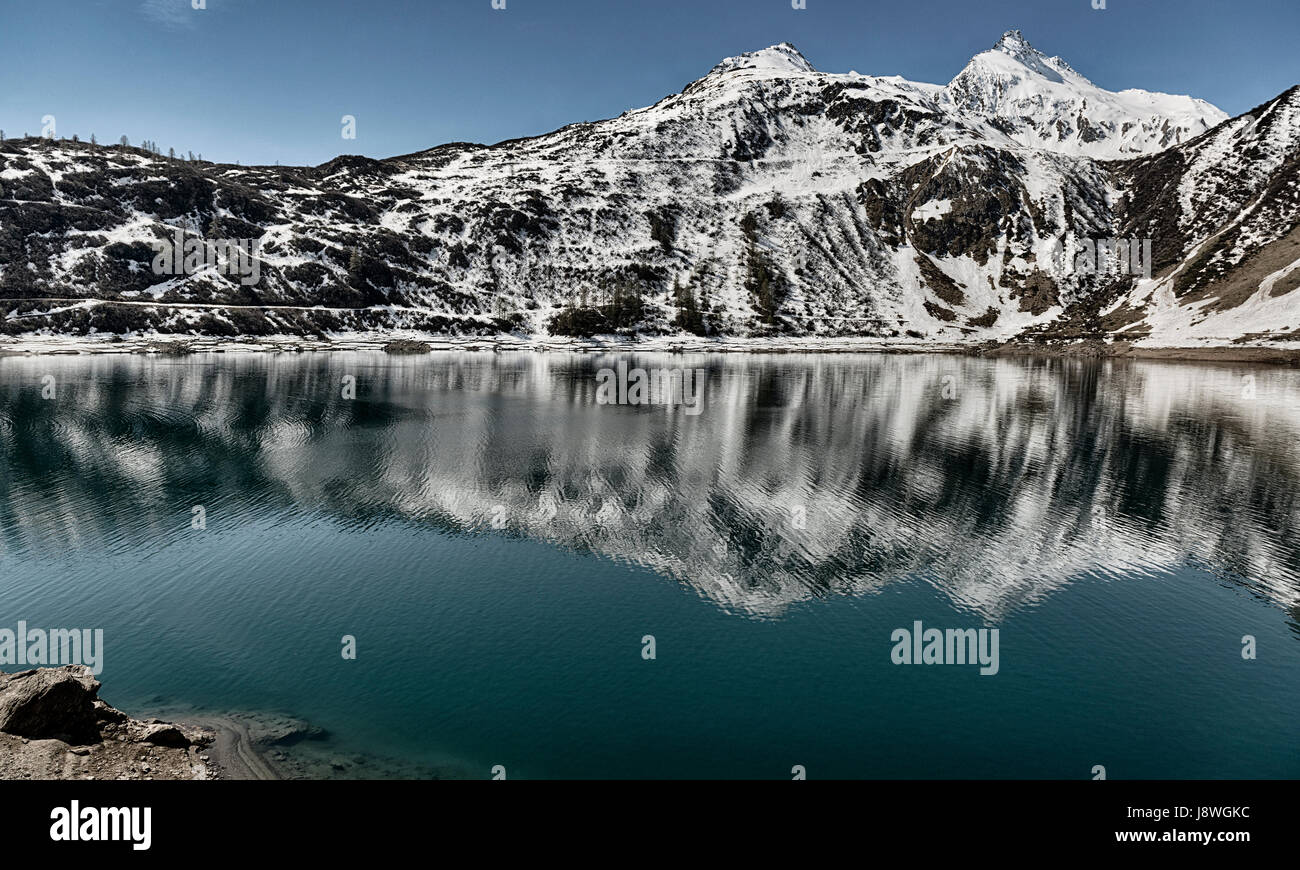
54, 726
51, 703
164, 734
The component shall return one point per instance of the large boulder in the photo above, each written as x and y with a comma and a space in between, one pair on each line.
51, 703
164, 734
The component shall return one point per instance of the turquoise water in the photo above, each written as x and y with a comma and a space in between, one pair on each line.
1123, 526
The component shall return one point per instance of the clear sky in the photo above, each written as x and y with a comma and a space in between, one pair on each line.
266, 80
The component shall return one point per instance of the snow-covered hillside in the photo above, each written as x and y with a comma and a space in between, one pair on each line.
765, 199
1041, 102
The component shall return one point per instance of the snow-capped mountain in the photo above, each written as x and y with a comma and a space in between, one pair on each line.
1041, 102
778, 58
765, 198
1223, 212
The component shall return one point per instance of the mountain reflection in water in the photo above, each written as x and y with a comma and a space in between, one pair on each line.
805, 476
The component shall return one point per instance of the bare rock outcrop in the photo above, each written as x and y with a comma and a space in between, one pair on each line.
50, 703
53, 725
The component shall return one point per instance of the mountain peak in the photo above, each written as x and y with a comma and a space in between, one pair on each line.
1013, 51
1013, 42
1043, 102
782, 57
1014, 45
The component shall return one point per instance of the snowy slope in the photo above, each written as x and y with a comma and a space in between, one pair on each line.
1228, 207
767, 198
1042, 102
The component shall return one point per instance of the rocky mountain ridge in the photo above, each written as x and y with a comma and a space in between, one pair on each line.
765, 199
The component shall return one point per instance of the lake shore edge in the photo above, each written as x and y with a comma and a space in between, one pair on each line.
414, 344
54, 726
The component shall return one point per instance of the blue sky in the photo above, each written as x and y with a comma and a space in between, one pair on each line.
266, 80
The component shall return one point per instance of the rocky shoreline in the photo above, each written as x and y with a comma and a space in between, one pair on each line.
418, 344
54, 725
1236, 353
